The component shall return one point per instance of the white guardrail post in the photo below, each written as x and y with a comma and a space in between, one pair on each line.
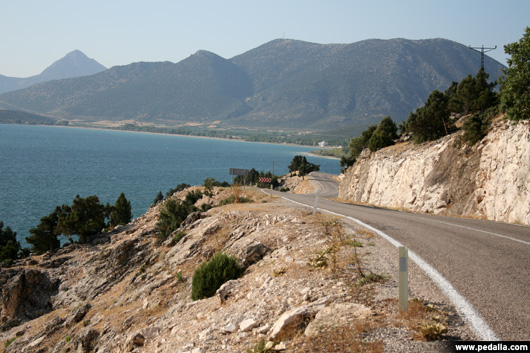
403, 278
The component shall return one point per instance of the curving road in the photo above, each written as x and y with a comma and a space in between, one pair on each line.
486, 263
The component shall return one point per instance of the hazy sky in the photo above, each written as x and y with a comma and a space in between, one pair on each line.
35, 33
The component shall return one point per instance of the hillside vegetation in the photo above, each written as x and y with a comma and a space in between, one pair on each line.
283, 84
18, 117
472, 104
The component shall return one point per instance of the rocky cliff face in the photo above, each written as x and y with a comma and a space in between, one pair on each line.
302, 290
489, 180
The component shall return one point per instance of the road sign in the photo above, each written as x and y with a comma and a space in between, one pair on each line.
264, 180
242, 172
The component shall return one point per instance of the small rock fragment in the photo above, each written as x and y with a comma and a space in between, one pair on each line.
230, 328
247, 325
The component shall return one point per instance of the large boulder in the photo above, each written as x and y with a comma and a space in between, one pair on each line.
27, 295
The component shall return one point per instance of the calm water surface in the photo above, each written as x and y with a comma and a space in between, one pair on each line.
42, 167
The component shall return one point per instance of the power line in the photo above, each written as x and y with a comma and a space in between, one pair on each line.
482, 51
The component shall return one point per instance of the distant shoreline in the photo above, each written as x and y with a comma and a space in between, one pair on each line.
191, 136
100, 128
320, 156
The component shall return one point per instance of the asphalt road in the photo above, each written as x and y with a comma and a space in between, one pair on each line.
488, 263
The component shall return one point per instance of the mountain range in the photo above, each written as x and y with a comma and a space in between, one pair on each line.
282, 84
73, 64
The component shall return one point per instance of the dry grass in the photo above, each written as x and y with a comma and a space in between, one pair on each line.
338, 340
427, 321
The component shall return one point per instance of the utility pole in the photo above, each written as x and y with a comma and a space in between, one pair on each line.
482, 51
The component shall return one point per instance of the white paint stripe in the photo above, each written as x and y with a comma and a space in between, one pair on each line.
465, 308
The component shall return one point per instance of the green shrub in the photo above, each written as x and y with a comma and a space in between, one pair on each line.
212, 274
172, 215
193, 196
232, 199
374, 138
179, 188
177, 237
262, 347
476, 127
8, 342
205, 207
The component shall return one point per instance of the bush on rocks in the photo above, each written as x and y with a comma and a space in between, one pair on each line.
211, 275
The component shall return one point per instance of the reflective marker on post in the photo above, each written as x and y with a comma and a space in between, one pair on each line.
316, 202
403, 278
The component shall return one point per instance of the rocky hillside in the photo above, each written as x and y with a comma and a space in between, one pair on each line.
490, 180
312, 283
281, 84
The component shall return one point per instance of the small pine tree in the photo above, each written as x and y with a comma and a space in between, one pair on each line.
300, 164
44, 237
86, 218
430, 122
121, 212
384, 135
6, 235
9, 246
159, 197
208, 185
358, 144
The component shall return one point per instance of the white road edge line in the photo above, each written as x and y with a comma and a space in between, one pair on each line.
466, 309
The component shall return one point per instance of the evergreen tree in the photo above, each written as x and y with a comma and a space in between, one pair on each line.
159, 197
384, 135
6, 235
300, 164
472, 94
208, 185
121, 212
515, 91
9, 246
86, 218
44, 237
430, 122
358, 144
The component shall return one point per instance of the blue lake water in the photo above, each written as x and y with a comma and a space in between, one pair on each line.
42, 167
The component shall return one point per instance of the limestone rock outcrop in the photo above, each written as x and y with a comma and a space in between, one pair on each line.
132, 293
490, 180
27, 295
